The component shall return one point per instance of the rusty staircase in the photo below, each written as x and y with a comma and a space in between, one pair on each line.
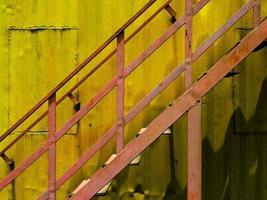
189, 102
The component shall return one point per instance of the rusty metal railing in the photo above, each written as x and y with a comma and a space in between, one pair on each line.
117, 82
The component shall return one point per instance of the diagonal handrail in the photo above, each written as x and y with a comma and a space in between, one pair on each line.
146, 100
75, 118
62, 83
75, 86
78, 69
177, 71
104, 91
225, 27
80, 81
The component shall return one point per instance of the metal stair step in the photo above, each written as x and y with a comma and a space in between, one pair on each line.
142, 130
101, 192
167, 132
80, 187
137, 160
104, 190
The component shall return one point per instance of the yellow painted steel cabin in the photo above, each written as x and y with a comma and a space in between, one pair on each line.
41, 41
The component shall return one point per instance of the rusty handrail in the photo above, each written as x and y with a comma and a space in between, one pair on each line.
74, 119
97, 98
108, 87
24, 132
142, 103
77, 70
103, 140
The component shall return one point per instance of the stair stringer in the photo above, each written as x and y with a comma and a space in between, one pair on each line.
181, 105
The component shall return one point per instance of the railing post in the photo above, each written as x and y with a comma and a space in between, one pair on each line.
188, 43
194, 153
193, 117
120, 91
52, 147
256, 13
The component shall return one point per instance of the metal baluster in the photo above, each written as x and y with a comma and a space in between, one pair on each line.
256, 13
52, 147
120, 91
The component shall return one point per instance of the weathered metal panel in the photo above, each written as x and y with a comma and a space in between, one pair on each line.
96, 21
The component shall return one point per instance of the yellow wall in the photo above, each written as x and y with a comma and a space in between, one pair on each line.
41, 41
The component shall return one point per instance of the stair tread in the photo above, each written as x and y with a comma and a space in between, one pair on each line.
110, 159
83, 183
104, 190
142, 130
137, 160
167, 132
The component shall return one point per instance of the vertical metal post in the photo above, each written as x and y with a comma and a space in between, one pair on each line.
256, 13
194, 153
52, 147
193, 117
120, 91
188, 44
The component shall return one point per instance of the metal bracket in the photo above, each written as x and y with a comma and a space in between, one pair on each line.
10, 162
172, 12
76, 102
247, 29
232, 73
